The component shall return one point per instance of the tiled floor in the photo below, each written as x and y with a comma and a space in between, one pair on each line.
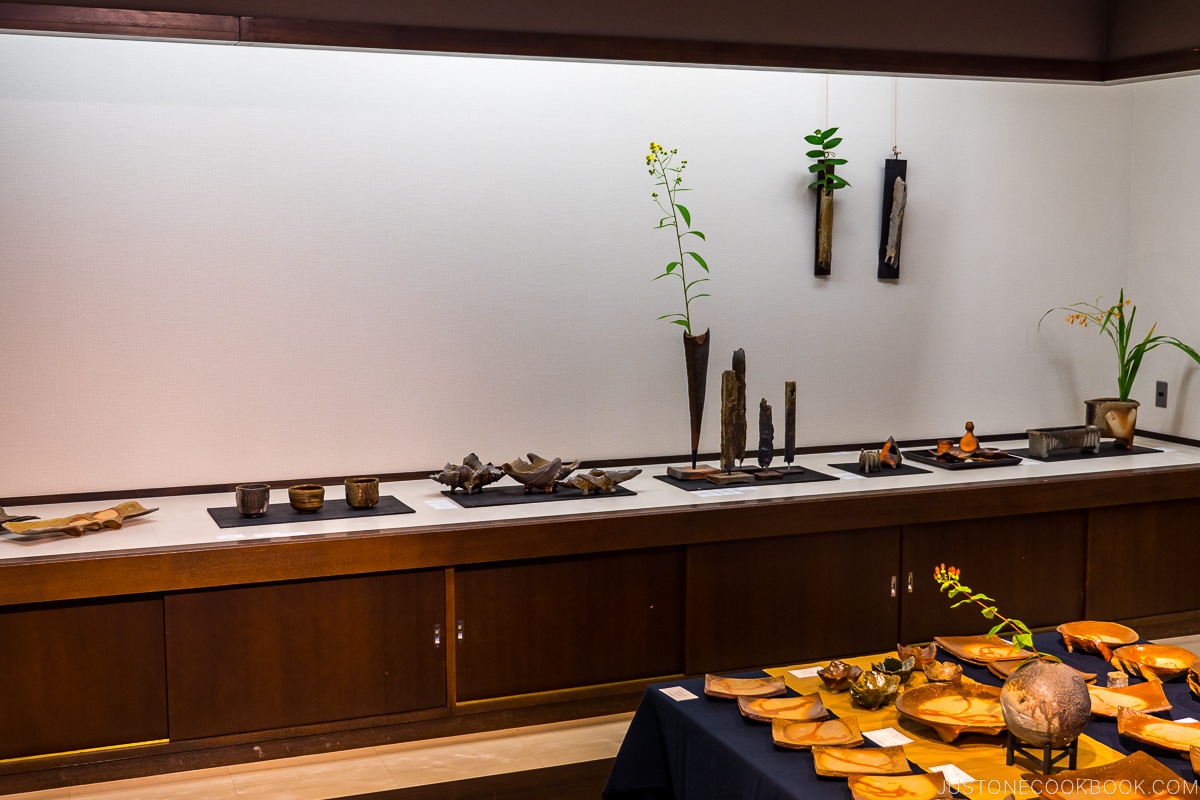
394, 766
372, 769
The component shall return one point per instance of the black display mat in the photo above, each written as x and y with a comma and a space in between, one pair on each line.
805, 476
515, 495
1107, 450
930, 457
886, 472
283, 513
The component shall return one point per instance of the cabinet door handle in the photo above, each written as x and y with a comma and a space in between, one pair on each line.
910, 583
893, 586
437, 635
459, 631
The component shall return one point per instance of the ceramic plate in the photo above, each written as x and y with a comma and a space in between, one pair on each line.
1193, 678
733, 688
1096, 637
981, 649
765, 709
930, 457
1002, 669
1135, 777
93, 521
842, 762
804, 735
1154, 662
1159, 732
954, 708
1194, 755
898, 787
1145, 697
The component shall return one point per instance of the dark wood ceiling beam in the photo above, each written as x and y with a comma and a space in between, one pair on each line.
117, 22
1149, 66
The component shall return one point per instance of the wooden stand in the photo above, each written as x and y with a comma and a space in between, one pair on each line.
723, 478
1049, 755
697, 473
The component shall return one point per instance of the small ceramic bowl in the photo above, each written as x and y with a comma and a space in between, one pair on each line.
922, 655
942, 671
894, 666
875, 689
838, 675
306, 497
362, 492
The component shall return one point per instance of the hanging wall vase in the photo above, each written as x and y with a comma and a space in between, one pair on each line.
695, 353
823, 263
895, 198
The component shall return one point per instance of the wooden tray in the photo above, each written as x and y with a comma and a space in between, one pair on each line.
733, 688
898, 787
842, 762
953, 709
1003, 669
1164, 733
930, 457
981, 649
1121, 779
805, 735
1145, 697
1154, 662
764, 709
1096, 637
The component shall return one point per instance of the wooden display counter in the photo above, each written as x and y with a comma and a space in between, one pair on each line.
172, 643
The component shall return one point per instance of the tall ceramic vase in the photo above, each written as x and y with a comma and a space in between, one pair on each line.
695, 353
1115, 418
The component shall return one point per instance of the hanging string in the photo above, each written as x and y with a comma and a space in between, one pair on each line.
895, 117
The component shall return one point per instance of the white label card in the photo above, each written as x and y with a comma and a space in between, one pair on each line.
441, 504
1186, 719
954, 776
678, 693
807, 672
887, 737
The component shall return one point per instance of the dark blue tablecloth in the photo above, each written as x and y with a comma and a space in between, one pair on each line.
704, 749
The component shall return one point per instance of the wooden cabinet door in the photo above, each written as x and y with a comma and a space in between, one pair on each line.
82, 675
278, 655
764, 602
1143, 560
1031, 564
550, 624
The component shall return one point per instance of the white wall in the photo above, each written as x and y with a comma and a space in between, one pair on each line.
226, 263
1164, 259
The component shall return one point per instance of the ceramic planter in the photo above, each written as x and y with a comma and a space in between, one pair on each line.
1116, 419
695, 354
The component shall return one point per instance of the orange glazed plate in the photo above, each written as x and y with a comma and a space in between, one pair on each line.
1164, 733
804, 735
898, 787
733, 688
765, 709
842, 762
1096, 637
952, 709
1135, 777
1154, 662
1145, 697
981, 649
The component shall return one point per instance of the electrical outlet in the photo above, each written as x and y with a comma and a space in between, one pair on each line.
1160, 394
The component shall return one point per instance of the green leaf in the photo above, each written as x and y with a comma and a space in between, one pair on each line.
687, 215
666, 316
699, 260
815, 154
814, 168
995, 629
682, 322
961, 603
980, 596
837, 162
1023, 640
671, 267
813, 139
693, 233
832, 143
665, 274
693, 283
989, 612
700, 295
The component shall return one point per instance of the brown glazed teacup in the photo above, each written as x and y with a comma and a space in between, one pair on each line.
307, 497
253, 499
362, 492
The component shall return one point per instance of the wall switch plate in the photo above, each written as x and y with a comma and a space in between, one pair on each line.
1160, 394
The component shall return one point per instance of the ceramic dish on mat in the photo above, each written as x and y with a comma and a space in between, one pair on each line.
980, 649
1154, 662
952, 709
842, 732
842, 762
1096, 637
1145, 697
1164, 733
764, 709
733, 688
1134, 777
899, 787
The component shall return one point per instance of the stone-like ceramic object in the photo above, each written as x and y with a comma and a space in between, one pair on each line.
601, 480
874, 689
564, 469
1115, 418
252, 499
1045, 442
921, 654
471, 476
838, 675
306, 497
1046, 703
942, 671
362, 492
533, 477
895, 666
